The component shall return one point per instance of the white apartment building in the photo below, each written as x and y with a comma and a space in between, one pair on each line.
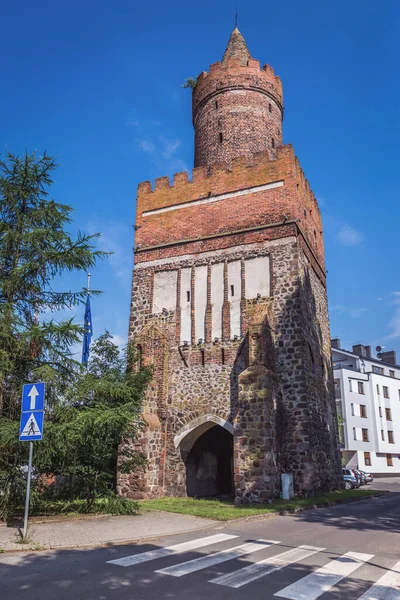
367, 393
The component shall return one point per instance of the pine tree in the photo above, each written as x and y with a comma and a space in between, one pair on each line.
36, 250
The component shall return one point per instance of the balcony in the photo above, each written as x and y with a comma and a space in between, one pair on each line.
344, 366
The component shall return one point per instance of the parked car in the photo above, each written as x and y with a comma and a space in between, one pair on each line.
362, 477
350, 479
368, 476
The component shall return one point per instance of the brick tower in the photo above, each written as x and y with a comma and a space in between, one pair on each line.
229, 304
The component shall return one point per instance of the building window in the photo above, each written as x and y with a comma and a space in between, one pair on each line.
380, 411
388, 414
337, 388
273, 143
216, 105
378, 391
363, 411
232, 290
378, 370
350, 385
202, 358
352, 409
220, 138
383, 435
390, 437
188, 296
270, 107
360, 387
354, 433
365, 435
367, 459
223, 356
389, 460
391, 373
385, 392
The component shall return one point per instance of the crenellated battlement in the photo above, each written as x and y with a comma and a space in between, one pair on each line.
233, 74
244, 167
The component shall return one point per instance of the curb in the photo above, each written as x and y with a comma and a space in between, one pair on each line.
221, 524
123, 542
295, 511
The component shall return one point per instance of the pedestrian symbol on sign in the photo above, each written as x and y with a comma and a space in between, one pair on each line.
31, 426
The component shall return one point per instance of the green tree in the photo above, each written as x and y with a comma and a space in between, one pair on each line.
36, 250
84, 434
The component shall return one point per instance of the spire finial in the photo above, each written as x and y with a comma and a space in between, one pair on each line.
236, 18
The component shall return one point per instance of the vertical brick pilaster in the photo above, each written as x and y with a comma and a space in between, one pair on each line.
208, 317
192, 305
226, 308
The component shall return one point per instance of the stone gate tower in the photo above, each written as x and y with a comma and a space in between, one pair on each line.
229, 304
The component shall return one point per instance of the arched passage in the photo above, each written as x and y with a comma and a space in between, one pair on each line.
209, 464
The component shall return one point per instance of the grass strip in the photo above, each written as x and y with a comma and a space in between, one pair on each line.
225, 510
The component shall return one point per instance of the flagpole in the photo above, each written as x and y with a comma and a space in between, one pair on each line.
88, 283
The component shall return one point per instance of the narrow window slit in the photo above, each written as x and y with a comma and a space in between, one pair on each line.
188, 296
220, 138
232, 290
202, 357
223, 356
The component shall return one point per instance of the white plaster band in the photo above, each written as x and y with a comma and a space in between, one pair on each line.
252, 190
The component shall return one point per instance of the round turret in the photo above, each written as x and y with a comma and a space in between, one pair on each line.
237, 107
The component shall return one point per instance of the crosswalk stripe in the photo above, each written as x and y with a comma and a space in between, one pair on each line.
387, 587
265, 567
136, 559
204, 562
320, 581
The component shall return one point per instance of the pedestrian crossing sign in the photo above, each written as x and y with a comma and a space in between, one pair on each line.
31, 427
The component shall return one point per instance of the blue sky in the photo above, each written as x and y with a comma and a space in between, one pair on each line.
98, 84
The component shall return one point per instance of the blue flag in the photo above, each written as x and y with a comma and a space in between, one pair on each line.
88, 332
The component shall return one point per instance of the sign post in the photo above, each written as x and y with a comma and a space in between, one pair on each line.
30, 430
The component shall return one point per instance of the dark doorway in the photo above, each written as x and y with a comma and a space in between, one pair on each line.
209, 464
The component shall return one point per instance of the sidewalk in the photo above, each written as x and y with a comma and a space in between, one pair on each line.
100, 531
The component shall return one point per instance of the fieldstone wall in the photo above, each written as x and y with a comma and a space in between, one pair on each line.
276, 392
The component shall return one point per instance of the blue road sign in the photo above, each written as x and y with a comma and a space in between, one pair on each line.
31, 426
33, 397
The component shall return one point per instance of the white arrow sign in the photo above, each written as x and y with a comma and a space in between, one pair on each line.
32, 395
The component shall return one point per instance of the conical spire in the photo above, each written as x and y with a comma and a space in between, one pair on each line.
237, 48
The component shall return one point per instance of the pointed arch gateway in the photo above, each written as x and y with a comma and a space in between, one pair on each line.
206, 446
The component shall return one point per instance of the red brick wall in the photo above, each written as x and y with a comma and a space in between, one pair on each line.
237, 111
294, 201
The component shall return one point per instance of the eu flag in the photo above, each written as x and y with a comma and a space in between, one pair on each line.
88, 332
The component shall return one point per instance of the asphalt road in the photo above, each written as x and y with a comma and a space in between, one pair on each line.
301, 557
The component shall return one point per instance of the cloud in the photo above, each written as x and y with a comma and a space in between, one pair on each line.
163, 151
116, 237
146, 146
120, 340
348, 236
169, 147
395, 322
354, 313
